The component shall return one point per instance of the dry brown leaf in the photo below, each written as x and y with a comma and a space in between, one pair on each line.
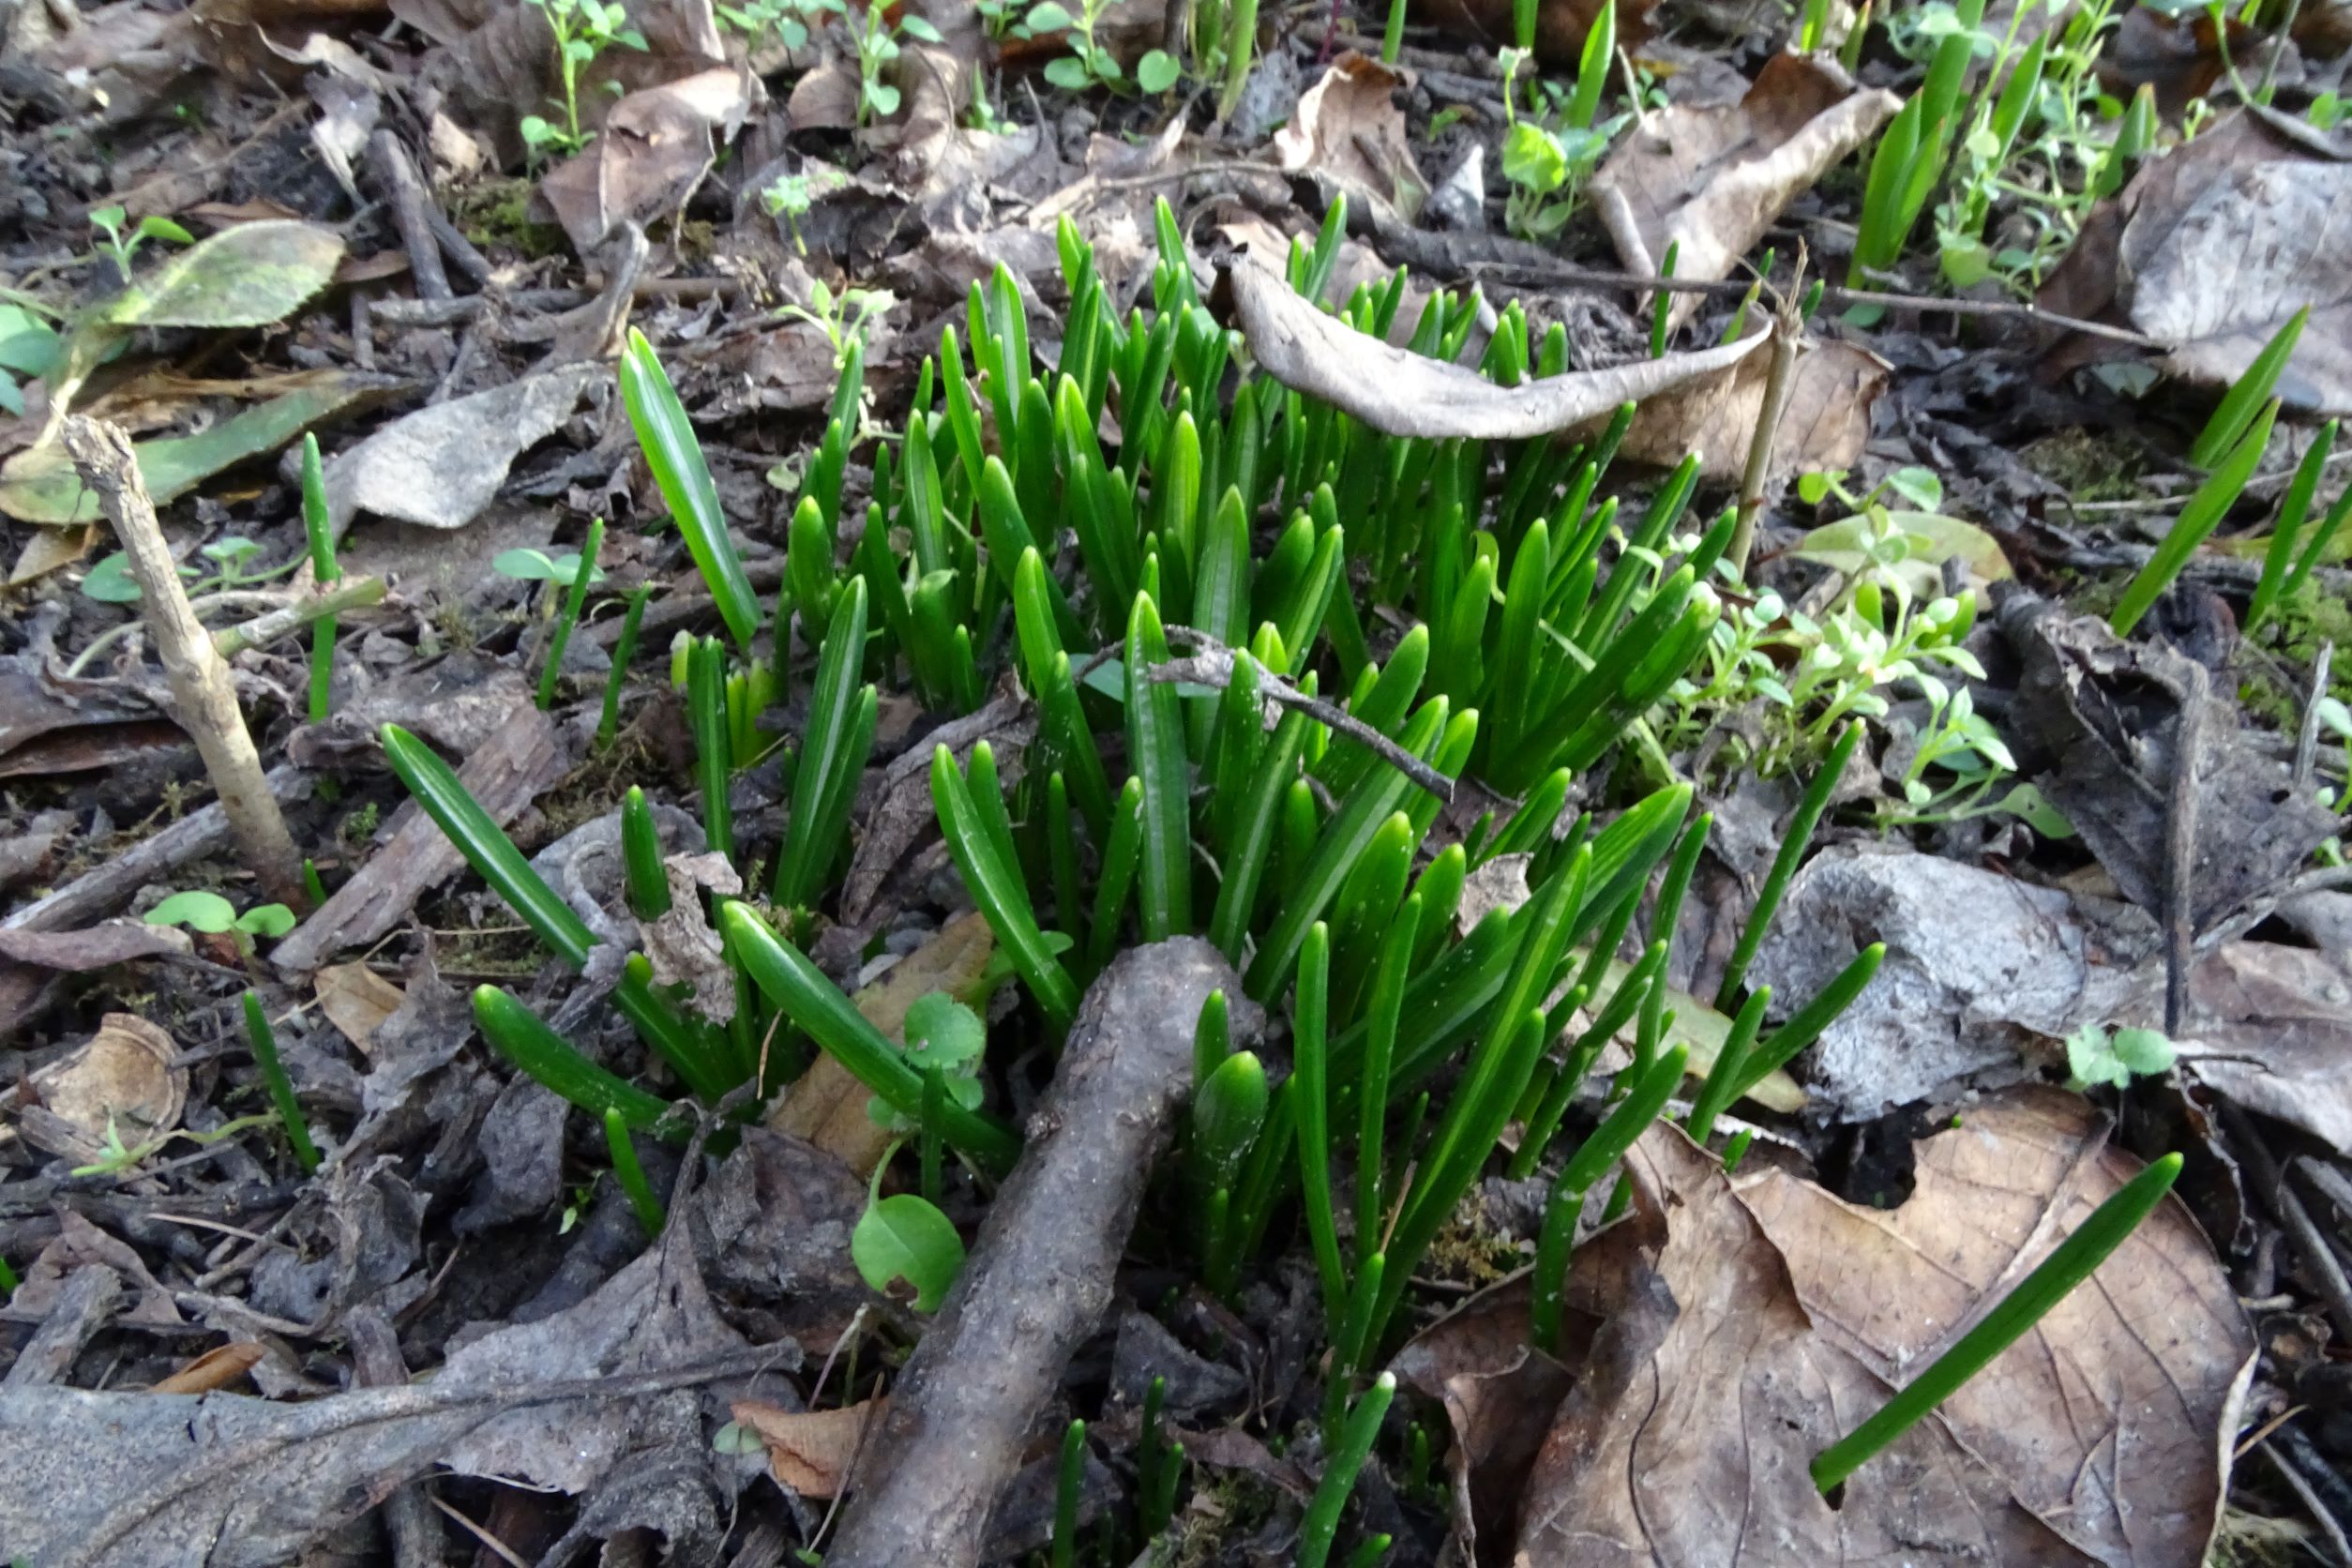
2271, 1026
124, 1074
1347, 129
216, 1369
1825, 424
1498, 1392
2110, 1419
653, 150
827, 1106
1711, 180
1400, 393
1707, 1393
681, 944
811, 1450
356, 999
2211, 248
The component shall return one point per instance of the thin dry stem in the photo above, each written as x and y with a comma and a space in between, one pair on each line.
202, 688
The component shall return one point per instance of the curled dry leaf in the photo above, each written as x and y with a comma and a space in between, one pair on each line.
2213, 248
1349, 131
1706, 1393
124, 1074
1498, 1392
217, 1368
653, 150
2096, 723
2111, 1418
681, 944
1825, 424
1398, 393
810, 1451
1712, 179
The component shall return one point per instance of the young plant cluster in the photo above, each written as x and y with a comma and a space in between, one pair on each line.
1152, 544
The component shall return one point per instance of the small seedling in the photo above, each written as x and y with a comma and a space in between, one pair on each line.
905, 1236
1067, 1481
1548, 164
878, 47
2073, 1261
209, 913
2095, 1056
1089, 64
584, 570
624, 652
119, 247
584, 29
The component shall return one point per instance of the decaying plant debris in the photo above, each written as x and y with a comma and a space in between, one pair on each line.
1088, 784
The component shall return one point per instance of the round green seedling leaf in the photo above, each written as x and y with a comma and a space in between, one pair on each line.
1049, 17
943, 1033
1069, 72
1157, 71
527, 566
197, 909
904, 1237
266, 920
110, 582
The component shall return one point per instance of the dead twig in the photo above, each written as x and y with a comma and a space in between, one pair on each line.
412, 211
1213, 666
1546, 273
1787, 327
1040, 1276
202, 688
2181, 850
2307, 735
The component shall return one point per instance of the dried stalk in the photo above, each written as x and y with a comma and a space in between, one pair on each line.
202, 689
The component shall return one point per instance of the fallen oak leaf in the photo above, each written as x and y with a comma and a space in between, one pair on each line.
2111, 1419
1706, 1393
1404, 394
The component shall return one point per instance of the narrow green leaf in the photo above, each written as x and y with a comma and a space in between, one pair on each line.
675, 456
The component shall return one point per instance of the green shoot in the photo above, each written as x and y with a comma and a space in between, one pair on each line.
623, 654
631, 1174
1792, 848
2246, 396
2073, 1261
584, 29
646, 883
264, 1043
318, 528
2281, 573
2198, 520
675, 458
1339, 1471
1591, 1161
567, 618
517, 1033
1065, 1495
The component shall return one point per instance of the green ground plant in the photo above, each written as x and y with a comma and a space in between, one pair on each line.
584, 29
